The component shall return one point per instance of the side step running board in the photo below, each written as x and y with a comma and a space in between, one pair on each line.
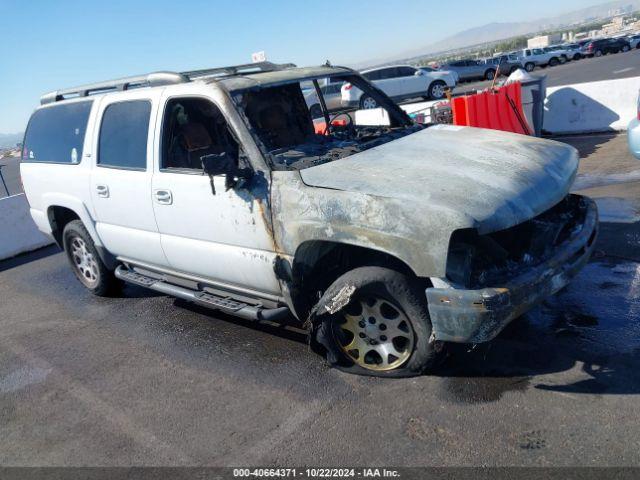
225, 304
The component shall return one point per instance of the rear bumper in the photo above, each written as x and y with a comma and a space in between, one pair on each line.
475, 316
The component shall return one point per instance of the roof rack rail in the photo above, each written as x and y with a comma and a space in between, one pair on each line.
247, 68
150, 80
159, 78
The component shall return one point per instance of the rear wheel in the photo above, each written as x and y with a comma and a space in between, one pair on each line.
625, 48
489, 74
529, 66
598, 53
436, 90
85, 261
553, 62
375, 321
367, 103
577, 56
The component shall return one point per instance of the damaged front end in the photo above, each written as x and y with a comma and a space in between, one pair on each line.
494, 278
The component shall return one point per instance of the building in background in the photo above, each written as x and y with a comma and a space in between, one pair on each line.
544, 40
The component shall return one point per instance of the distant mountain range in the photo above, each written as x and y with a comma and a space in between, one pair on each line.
499, 31
9, 140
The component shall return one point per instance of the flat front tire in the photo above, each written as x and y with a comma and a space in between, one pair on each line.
375, 321
86, 262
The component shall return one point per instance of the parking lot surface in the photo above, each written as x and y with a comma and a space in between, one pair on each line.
145, 379
619, 65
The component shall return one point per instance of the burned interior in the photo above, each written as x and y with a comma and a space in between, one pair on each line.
476, 261
283, 126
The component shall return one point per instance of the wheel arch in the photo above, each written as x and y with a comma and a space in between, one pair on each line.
63, 209
317, 264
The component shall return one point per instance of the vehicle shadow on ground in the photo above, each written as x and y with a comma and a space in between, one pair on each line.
290, 330
586, 144
28, 257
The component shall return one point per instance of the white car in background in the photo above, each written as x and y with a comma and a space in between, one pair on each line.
400, 82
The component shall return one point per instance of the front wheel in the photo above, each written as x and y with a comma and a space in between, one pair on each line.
375, 321
85, 261
530, 66
625, 48
436, 90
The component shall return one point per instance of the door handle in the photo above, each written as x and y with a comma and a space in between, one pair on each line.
164, 197
103, 191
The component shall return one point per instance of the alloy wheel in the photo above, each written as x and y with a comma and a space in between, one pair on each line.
84, 262
369, 103
375, 334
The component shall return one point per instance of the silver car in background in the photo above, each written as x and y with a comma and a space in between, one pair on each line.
331, 94
471, 69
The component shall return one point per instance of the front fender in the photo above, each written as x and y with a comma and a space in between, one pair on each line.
303, 213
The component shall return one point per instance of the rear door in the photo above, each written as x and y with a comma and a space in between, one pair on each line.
121, 176
388, 81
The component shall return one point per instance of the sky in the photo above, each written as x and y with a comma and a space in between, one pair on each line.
48, 45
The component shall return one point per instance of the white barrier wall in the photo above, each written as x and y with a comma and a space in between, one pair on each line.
608, 105
591, 107
18, 233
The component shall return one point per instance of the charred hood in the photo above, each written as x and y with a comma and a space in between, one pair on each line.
492, 178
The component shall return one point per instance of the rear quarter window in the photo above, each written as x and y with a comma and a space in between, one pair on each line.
56, 134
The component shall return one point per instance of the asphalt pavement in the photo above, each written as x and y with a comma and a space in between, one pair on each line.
620, 65
145, 379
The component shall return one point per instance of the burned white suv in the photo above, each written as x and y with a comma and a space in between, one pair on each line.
218, 187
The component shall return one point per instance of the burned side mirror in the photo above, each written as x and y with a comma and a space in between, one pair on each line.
217, 164
223, 164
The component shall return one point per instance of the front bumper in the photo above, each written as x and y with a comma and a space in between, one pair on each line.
475, 316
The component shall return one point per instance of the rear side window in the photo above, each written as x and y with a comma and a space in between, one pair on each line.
56, 134
123, 135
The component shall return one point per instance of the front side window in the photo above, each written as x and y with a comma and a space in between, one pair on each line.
292, 138
56, 134
123, 135
406, 71
192, 129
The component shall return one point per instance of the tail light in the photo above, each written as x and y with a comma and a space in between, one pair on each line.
347, 86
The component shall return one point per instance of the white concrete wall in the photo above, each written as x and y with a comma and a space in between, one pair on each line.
18, 233
608, 105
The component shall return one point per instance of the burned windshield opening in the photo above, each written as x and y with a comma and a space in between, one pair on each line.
289, 121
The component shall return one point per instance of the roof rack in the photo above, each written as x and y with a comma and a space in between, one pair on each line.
245, 69
160, 78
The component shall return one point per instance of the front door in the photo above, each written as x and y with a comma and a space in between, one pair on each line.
208, 230
121, 177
